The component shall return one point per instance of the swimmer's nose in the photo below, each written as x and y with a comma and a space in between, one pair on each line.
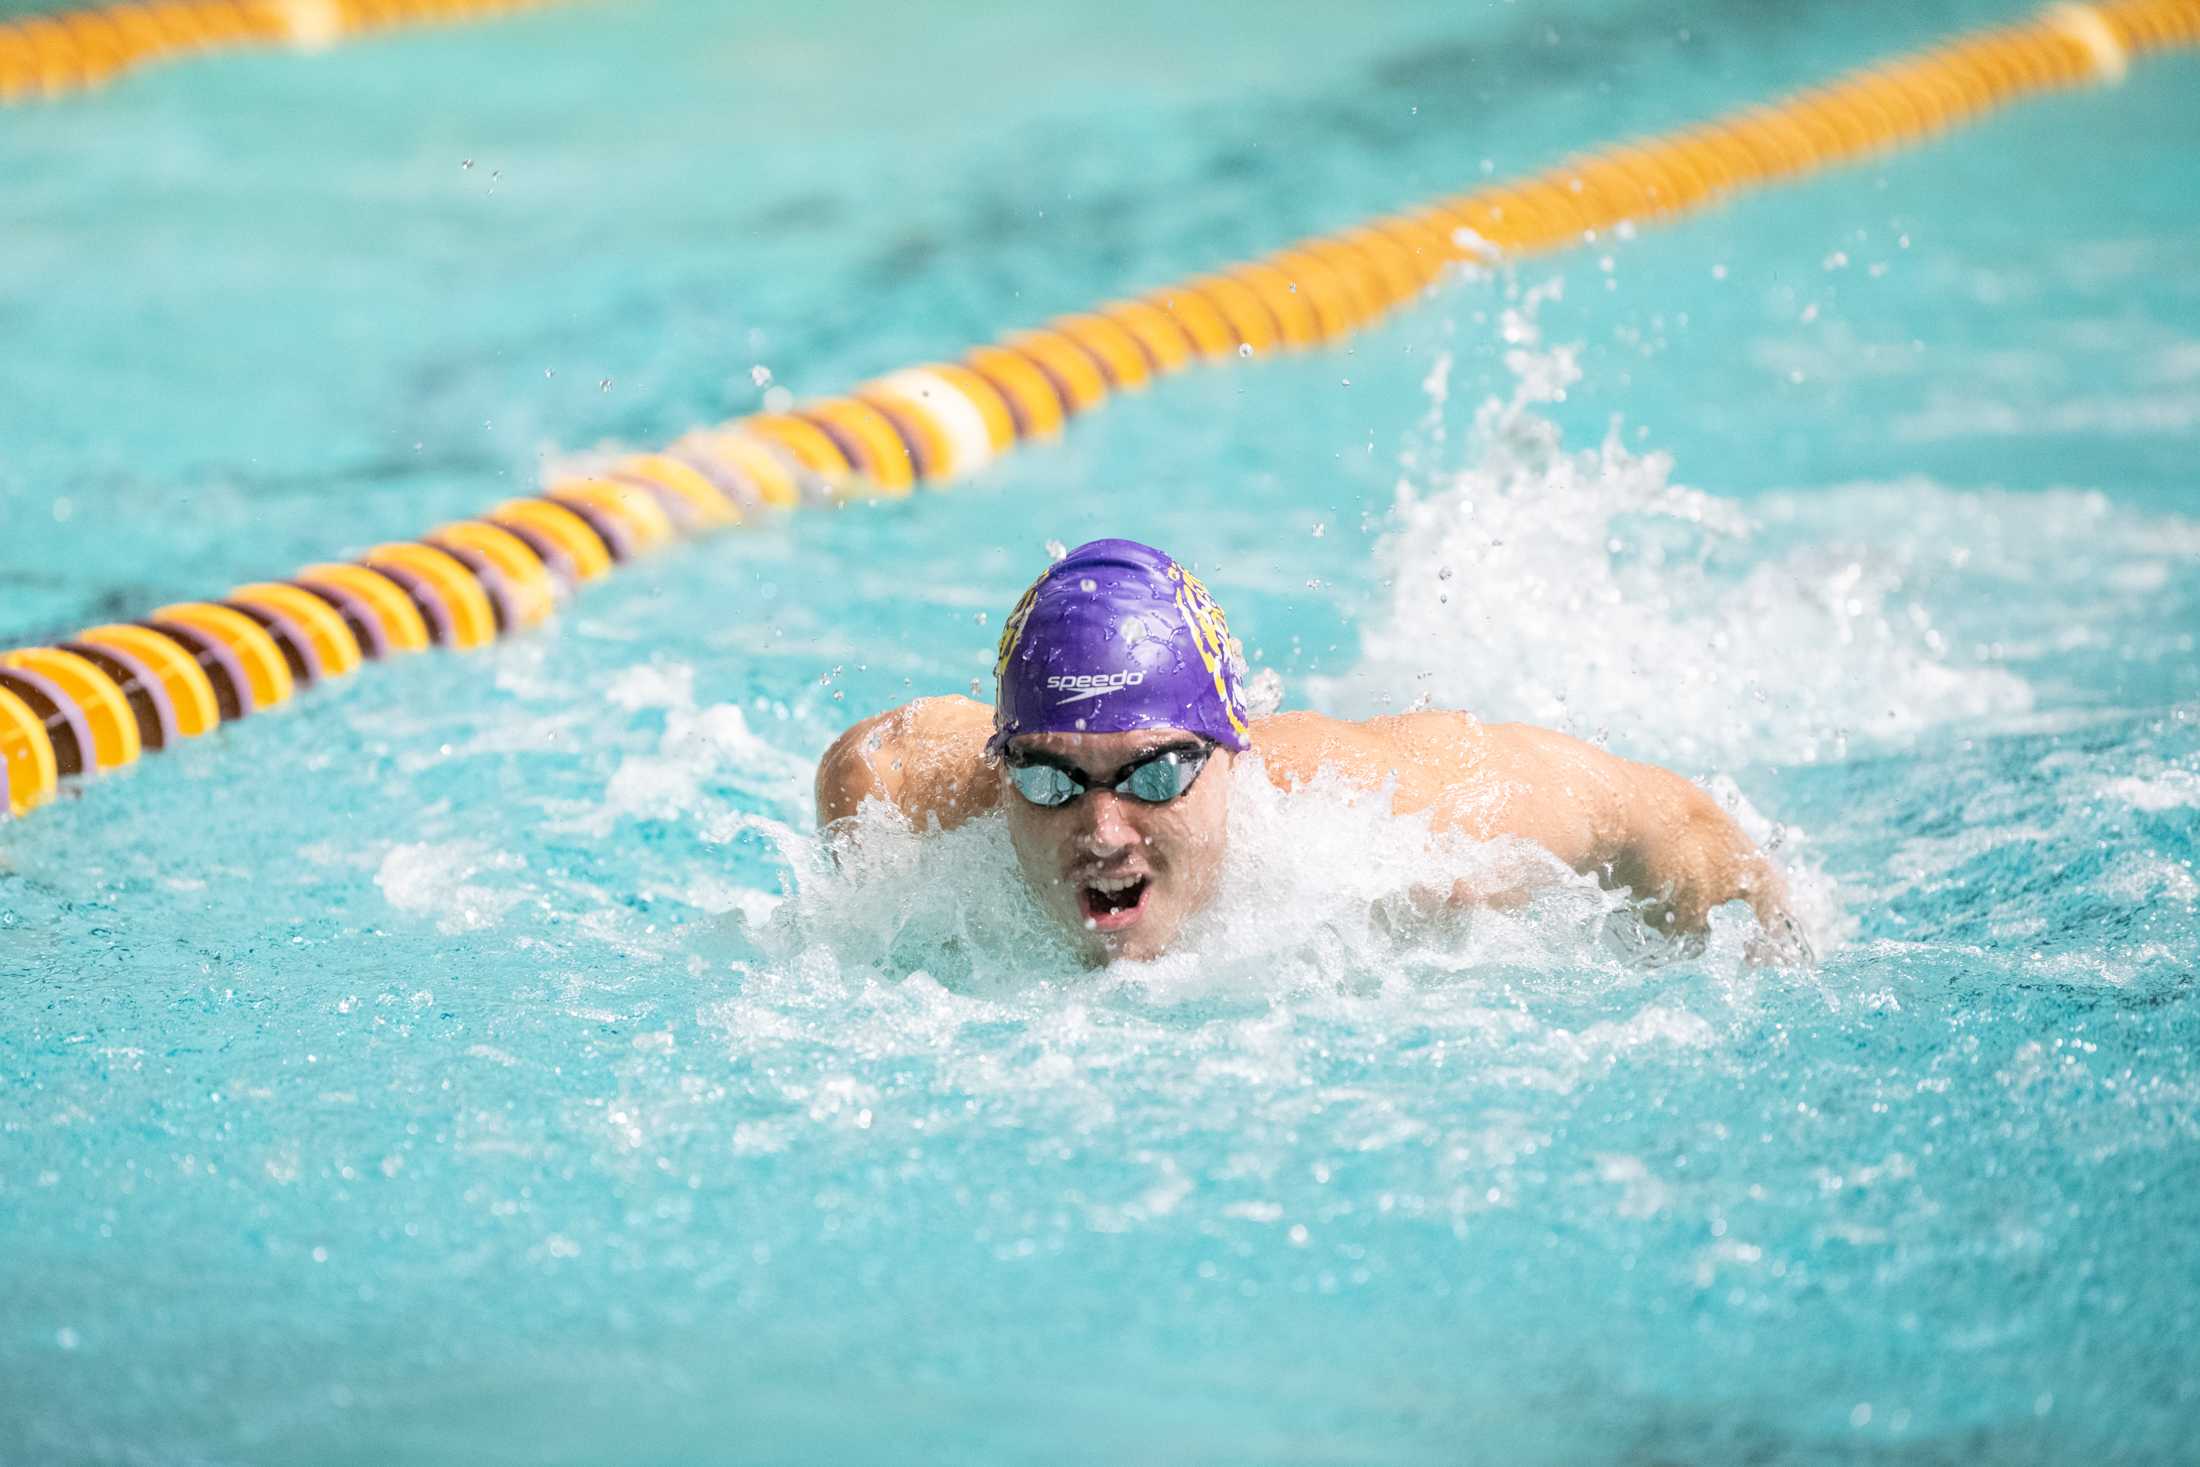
1104, 829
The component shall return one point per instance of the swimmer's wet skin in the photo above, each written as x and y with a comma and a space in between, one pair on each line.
1118, 720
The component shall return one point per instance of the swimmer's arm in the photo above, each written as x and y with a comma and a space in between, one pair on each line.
1632, 826
1637, 827
1666, 840
926, 759
1489, 783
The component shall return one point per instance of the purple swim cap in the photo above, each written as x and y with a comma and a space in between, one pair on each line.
1117, 636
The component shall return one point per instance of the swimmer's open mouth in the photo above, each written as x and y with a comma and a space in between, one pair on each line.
1112, 903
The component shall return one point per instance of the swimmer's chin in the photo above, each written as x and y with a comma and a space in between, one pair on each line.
1130, 932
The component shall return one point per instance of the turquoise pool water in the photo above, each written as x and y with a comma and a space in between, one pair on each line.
473, 1062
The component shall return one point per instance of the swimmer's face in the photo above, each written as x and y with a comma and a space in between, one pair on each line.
1121, 875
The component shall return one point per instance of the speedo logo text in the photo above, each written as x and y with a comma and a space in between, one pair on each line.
1092, 685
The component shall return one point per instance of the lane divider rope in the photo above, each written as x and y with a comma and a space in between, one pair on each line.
98, 702
47, 56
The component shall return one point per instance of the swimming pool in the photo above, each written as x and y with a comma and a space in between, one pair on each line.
471, 1062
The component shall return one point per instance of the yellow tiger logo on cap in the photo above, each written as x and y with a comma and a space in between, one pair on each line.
1211, 635
1013, 631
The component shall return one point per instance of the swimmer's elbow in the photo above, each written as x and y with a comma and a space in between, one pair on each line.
1683, 855
1728, 866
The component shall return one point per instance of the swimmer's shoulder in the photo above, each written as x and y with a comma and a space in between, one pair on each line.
1404, 747
949, 721
926, 758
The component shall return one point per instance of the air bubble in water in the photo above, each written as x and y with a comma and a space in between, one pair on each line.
1245, 348
1056, 550
1088, 585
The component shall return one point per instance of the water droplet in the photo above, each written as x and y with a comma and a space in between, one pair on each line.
1080, 725
465, 162
1056, 550
1320, 529
1245, 348
761, 375
1443, 573
1088, 585
604, 386
980, 618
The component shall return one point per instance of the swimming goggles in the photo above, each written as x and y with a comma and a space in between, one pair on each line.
1155, 779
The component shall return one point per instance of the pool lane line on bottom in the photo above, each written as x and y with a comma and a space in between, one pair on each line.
99, 701
48, 56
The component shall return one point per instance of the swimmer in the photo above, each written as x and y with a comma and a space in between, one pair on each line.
1117, 722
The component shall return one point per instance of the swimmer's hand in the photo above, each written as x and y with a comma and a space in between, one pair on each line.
1780, 943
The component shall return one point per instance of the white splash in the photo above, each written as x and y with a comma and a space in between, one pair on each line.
437, 880
922, 956
2170, 789
1586, 591
704, 755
